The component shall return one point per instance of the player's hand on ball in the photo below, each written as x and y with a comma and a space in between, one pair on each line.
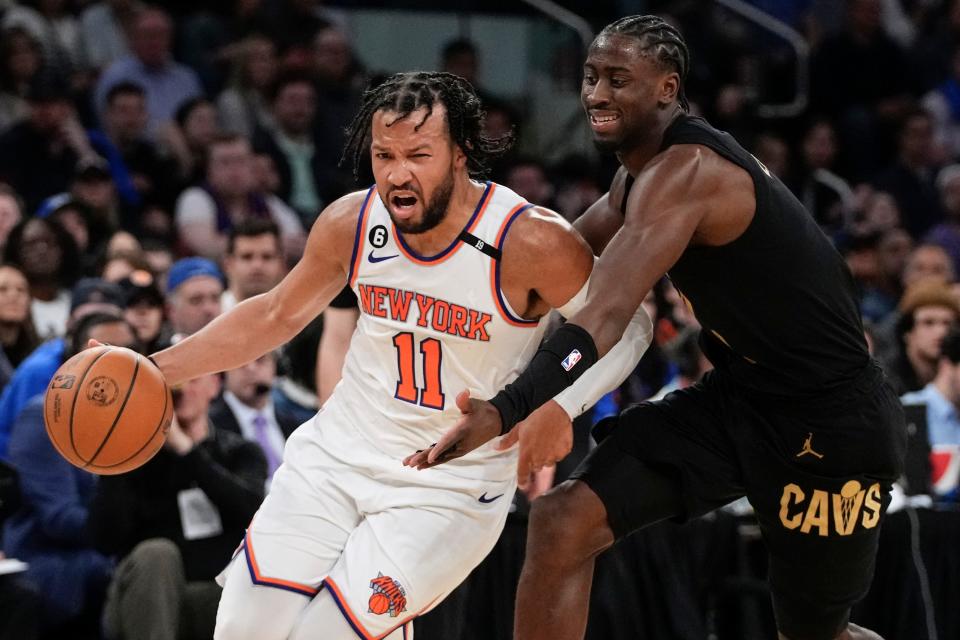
545, 438
480, 424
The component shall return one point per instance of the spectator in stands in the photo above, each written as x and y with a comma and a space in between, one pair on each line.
928, 262
90, 295
293, 23
188, 138
140, 173
943, 105
928, 311
103, 32
20, 60
38, 155
292, 146
93, 186
880, 296
120, 265
48, 256
11, 212
941, 397
246, 408
253, 262
244, 105
461, 58
860, 76
911, 179
91, 236
143, 308
175, 523
53, 25
206, 214
194, 286
167, 83
159, 255
528, 177
18, 338
340, 81
48, 531
947, 233
826, 195
772, 151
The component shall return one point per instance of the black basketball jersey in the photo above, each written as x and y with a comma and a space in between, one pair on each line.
777, 304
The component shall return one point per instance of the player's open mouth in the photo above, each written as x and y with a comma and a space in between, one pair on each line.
403, 205
603, 120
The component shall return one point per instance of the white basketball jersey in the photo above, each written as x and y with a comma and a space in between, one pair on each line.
430, 327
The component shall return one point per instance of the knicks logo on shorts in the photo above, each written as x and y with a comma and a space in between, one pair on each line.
844, 511
388, 596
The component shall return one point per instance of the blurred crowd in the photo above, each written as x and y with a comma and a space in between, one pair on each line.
160, 164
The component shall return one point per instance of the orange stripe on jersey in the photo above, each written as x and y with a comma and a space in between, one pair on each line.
495, 271
445, 255
361, 234
259, 578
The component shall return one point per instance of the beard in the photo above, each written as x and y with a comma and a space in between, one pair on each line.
433, 212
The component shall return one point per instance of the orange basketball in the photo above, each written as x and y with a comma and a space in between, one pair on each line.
107, 410
379, 603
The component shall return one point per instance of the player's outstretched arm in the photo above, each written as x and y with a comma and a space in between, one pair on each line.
264, 322
665, 209
545, 263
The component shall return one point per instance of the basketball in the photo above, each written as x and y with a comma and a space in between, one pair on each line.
379, 603
107, 410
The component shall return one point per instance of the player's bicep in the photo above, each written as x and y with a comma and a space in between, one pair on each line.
564, 262
599, 223
663, 211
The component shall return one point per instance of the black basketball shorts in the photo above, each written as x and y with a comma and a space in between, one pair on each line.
818, 474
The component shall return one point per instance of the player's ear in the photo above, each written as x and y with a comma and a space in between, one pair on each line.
669, 88
459, 157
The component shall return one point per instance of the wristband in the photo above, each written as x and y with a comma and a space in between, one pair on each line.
560, 361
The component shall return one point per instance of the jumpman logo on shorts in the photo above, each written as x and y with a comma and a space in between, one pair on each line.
808, 447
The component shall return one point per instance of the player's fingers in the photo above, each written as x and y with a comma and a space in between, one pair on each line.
463, 402
507, 441
524, 480
523, 466
93, 343
417, 458
447, 440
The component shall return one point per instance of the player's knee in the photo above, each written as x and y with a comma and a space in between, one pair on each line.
571, 521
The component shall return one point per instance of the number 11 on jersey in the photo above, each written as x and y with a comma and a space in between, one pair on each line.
431, 394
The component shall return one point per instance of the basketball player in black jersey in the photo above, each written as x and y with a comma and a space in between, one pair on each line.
795, 415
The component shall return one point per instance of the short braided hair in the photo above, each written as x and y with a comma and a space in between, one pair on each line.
404, 93
660, 39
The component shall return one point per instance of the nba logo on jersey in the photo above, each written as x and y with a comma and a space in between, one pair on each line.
571, 360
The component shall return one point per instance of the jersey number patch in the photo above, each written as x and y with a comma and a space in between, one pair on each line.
431, 394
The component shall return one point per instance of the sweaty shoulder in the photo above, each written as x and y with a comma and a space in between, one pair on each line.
545, 259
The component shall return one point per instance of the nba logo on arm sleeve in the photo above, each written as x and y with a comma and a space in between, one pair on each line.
571, 360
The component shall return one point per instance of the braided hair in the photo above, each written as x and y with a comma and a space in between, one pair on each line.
404, 93
660, 39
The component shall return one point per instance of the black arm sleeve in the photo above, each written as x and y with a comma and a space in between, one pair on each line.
560, 361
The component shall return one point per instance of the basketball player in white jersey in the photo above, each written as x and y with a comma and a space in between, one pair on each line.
454, 278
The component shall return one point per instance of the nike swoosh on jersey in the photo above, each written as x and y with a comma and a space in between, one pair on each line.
485, 500
373, 258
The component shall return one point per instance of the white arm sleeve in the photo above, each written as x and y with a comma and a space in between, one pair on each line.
612, 369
